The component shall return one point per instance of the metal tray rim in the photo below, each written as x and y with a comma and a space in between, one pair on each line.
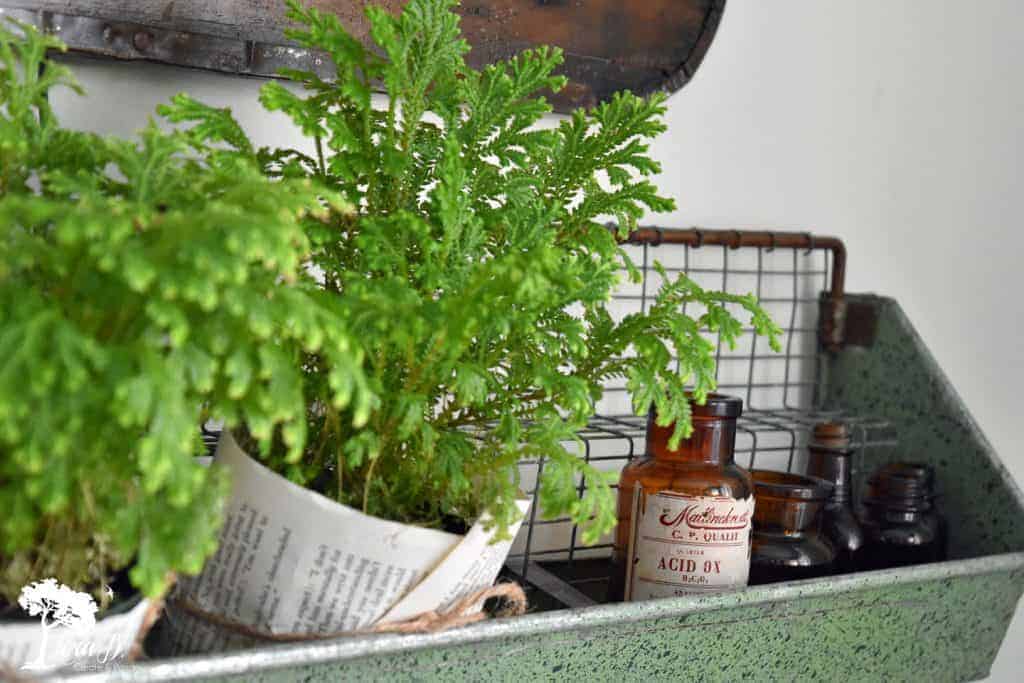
305, 654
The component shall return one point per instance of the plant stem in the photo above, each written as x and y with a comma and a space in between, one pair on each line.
341, 473
366, 484
320, 156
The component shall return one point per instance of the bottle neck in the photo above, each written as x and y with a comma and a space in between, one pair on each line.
882, 512
833, 465
900, 495
712, 442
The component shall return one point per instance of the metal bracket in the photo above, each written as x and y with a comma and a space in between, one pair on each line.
843, 322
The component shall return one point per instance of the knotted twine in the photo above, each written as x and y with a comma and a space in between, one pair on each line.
464, 612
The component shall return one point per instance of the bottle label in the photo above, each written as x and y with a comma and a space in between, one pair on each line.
687, 545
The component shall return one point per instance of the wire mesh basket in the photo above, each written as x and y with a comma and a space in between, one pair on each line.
795, 277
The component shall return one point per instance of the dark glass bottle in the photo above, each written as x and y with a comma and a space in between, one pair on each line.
901, 524
684, 514
830, 459
788, 544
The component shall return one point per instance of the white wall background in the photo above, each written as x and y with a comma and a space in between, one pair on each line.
895, 125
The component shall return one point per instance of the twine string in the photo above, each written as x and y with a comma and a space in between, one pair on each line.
462, 613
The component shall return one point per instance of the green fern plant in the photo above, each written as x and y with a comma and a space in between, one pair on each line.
145, 286
471, 263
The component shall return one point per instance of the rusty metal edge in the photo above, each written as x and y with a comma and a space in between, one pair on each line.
735, 239
832, 319
686, 70
129, 41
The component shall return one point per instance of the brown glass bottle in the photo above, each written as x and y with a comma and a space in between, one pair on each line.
830, 459
901, 524
685, 514
788, 544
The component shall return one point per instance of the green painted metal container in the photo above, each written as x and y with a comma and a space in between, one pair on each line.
938, 622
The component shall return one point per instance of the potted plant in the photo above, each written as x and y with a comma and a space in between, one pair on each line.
470, 260
145, 286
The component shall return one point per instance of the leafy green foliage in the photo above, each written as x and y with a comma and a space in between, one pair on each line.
457, 322
474, 271
145, 286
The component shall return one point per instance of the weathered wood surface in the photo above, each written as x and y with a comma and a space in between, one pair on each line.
610, 45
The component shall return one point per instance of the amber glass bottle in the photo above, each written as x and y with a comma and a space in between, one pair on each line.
901, 524
788, 544
685, 515
830, 459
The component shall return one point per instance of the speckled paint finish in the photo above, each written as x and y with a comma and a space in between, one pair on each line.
898, 378
939, 622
